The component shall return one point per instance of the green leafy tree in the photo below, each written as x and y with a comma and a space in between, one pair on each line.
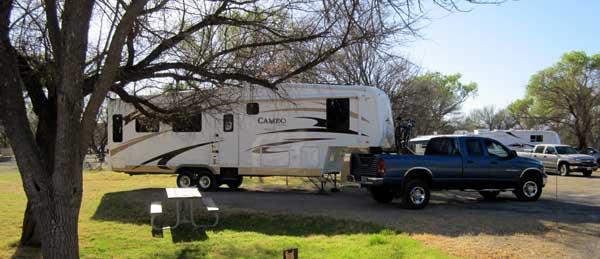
565, 96
432, 98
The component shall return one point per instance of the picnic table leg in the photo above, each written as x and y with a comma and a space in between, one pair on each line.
192, 213
177, 213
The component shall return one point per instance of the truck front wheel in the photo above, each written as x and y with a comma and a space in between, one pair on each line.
530, 189
415, 195
382, 195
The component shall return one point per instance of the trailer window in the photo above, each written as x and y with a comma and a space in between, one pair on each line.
228, 122
537, 138
338, 114
145, 124
252, 108
474, 147
187, 123
117, 128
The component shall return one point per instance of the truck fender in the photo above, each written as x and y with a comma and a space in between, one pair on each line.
419, 173
531, 169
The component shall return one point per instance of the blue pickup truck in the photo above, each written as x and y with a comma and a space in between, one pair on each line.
450, 163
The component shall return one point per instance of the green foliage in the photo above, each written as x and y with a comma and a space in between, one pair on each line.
432, 98
565, 95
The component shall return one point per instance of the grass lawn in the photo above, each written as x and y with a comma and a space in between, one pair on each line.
114, 223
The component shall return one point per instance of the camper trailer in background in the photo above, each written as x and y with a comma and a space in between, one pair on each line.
518, 140
302, 130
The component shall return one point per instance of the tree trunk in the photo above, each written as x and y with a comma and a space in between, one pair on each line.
59, 224
30, 234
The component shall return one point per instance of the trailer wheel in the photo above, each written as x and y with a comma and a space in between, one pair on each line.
234, 184
206, 181
185, 179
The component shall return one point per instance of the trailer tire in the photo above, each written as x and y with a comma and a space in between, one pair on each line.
234, 184
382, 194
415, 195
207, 181
186, 179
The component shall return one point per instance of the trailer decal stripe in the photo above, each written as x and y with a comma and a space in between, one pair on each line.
312, 130
164, 158
134, 141
264, 149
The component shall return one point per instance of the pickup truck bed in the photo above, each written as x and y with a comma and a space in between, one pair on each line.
457, 163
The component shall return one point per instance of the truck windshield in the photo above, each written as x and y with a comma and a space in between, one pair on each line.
565, 150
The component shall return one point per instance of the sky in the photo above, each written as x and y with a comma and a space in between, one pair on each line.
499, 47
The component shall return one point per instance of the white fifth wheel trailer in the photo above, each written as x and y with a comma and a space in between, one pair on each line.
518, 140
303, 131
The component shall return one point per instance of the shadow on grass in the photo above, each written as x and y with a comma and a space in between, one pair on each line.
133, 207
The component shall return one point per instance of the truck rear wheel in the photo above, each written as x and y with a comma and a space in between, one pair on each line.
415, 195
563, 169
489, 195
530, 189
382, 194
234, 184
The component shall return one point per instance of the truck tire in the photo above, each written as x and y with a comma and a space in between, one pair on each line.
529, 189
415, 194
587, 173
206, 181
563, 169
382, 194
489, 195
234, 184
185, 179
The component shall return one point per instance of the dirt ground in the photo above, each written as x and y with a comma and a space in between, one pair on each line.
564, 223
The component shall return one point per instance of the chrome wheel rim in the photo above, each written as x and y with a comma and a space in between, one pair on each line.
530, 188
417, 195
185, 181
204, 182
563, 170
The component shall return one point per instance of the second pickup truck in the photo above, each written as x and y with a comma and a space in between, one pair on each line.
458, 163
562, 159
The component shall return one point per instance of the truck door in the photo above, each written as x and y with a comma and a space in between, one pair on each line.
476, 163
550, 157
502, 170
227, 140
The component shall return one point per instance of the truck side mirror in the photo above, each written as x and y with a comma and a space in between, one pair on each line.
513, 153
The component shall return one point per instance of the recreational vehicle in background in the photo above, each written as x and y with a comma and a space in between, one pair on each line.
302, 130
518, 140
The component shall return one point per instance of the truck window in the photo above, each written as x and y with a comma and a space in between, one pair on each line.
441, 147
187, 123
338, 114
117, 128
539, 149
474, 147
550, 150
145, 124
496, 149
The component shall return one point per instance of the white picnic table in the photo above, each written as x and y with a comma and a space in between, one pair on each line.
180, 196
